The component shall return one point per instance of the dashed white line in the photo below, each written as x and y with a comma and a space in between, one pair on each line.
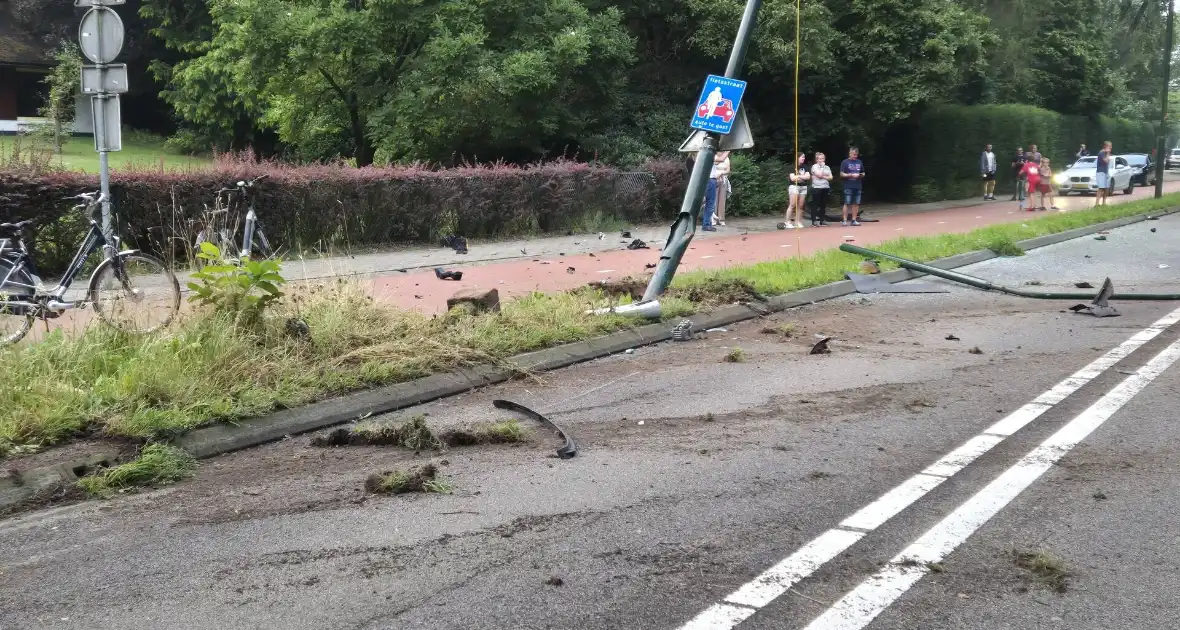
774, 582
868, 600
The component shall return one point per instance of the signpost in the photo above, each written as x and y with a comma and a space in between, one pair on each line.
717, 114
100, 36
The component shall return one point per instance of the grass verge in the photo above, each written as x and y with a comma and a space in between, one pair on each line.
157, 465
205, 370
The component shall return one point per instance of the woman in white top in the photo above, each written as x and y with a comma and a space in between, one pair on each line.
798, 192
821, 185
722, 169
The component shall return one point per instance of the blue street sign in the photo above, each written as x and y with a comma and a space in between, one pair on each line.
718, 105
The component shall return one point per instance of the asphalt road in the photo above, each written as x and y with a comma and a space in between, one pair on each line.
698, 483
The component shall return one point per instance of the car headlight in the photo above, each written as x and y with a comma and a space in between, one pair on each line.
1060, 179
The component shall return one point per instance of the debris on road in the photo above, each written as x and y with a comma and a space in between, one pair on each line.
717, 330
443, 274
736, 355
567, 450
952, 338
601, 236
975, 350
1153, 230
554, 581
570, 270
682, 331
524, 251
1100, 238
870, 266
1099, 307
651, 266
420, 479
1083, 285
637, 244
592, 255
1163, 266
626, 234
457, 243
821, 347
481, 300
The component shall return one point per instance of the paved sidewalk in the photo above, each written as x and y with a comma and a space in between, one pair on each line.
406, 278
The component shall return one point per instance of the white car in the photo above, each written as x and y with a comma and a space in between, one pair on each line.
1081, 177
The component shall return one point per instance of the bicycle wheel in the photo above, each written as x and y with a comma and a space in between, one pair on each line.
135, 293
15, 321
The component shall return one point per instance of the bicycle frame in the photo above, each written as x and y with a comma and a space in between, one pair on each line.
52, 300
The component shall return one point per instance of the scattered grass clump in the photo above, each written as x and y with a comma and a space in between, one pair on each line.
1046, 568
157, 465
419, 479
736, 355
1003, 245
785, 330
503, 432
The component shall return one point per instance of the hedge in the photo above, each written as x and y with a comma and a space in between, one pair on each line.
330, 207
941, 152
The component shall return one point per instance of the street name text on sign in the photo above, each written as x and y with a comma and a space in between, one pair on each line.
717, 108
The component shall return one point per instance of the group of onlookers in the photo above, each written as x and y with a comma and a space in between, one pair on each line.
1033, 175
817, 178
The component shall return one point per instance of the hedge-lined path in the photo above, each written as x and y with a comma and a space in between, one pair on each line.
740, 242
500, 265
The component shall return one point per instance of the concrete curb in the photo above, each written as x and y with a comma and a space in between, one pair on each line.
225, 438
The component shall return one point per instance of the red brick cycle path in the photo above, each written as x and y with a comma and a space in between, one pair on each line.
420, 290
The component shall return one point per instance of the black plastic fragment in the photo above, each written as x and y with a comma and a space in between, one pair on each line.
567, 450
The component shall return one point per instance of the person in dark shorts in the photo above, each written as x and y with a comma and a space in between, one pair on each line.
852, 171
1018, 174
987, 166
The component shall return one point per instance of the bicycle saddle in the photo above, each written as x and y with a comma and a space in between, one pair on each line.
16, 227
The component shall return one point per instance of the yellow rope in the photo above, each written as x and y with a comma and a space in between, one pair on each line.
798, 10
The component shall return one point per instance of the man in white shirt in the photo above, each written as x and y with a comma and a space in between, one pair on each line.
987, 166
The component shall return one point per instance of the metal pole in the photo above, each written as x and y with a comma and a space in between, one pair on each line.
684, 228
1162, 148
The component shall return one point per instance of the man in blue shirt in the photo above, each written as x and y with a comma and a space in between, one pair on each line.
1103, 174
852, 173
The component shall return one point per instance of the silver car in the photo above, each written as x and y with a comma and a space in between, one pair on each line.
1082, 177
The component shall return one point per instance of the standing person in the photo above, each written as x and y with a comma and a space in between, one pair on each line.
1018, 174
1103, 173
852, 172
721, 162
1046, 187
1034, 155
1032, 175
797, 192
821, 185
710, 201
1082, 152
987, 166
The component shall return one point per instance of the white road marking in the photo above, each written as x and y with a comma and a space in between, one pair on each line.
858, 608
774, 582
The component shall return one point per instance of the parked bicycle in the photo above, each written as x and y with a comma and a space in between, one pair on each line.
119, 284
221, 223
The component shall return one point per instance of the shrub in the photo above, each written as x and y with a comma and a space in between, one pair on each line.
324, 207
937, 154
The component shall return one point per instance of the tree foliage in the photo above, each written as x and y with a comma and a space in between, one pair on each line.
445, 80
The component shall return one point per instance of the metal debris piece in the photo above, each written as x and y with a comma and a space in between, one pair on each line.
1083, 285
570, 270
821, 347
457, 243
975, 350
1099, 307
443, 274
682, 331
952, 338
877, 284
626, 234
567, 450
637, 244
650, 266
717, 330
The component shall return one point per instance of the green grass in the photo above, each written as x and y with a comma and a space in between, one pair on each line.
204, 370
1046, 569
139, 150
794, 274
157, 465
